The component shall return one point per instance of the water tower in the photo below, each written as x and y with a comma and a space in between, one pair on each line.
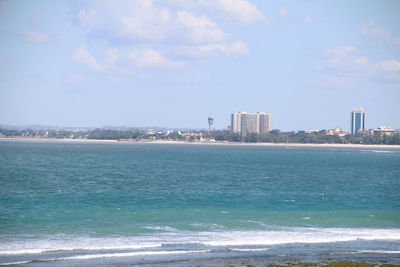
210, 123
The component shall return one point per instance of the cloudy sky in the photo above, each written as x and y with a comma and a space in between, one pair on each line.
173, 63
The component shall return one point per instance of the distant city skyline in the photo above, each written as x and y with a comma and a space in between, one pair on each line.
171, 64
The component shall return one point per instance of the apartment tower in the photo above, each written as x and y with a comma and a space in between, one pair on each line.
244, 123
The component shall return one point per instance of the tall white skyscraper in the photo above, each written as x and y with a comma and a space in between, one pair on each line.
265, 122
236, 122
244, 123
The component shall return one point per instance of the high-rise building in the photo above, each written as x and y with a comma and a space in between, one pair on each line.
244, 123
357, 120
235, 122
265, 122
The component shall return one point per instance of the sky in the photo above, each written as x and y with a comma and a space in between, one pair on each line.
174, 63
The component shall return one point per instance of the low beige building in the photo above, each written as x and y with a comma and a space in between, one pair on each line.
384, 130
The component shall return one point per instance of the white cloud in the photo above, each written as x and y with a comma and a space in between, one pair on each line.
373, 31
397, 41
89, 19
83, 57
76, 79
164, 34
283, 12
149, 24
226, 49
300, 17
35, 37
199, 29
344, 63
112, 55
308, 19
114, 80
241, 10
388, 70
143, 21
344, 60
149, 58
127, 20
379, 34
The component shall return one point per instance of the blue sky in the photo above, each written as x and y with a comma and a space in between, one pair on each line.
173, 63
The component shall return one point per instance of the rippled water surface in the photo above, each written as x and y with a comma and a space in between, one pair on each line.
79, 203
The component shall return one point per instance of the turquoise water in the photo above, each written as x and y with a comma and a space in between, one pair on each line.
128, 201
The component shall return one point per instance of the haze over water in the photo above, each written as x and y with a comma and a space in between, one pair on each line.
92, 203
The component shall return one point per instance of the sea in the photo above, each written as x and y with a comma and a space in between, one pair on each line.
127, 204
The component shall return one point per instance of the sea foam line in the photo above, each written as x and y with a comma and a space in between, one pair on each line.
231, 238
113, 255
131, 254
38, 251
379, 251
248, 249
300, 235
14, 263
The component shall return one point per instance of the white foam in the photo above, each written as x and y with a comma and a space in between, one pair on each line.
21, 251
14, 263
208, 226
380, 251
249, 249
129, 254
300, 235
113, 255
219, 237
380, 151
257, 222
164, 228
69, 243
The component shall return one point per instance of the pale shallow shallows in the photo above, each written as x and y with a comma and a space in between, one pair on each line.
88, 204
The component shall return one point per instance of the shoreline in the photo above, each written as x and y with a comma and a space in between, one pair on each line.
200, 143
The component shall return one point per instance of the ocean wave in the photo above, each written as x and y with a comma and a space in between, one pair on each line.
248, 249
111, 255
206, 226
162, 228
14, 263
379, 251
203, 239
74, 243
130, 254
301, 235
380, 151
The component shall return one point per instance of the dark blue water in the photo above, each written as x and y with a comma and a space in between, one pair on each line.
80, 203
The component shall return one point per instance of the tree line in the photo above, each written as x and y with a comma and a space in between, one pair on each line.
320, 137
274, 136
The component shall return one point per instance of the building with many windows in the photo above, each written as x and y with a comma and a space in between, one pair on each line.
244, 123
357, 120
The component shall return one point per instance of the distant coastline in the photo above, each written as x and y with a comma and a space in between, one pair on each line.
322, 145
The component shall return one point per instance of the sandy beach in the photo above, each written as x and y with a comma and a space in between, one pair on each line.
201, 143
